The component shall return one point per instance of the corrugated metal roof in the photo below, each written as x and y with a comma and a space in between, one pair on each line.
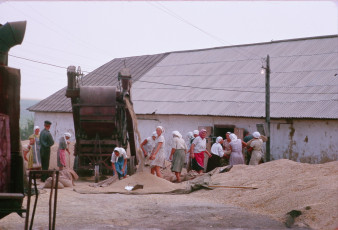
105, 75
226, 81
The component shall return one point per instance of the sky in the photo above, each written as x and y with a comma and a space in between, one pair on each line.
89, 34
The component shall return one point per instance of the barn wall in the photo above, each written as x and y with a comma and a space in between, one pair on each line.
310, 141
303, 140
61, 123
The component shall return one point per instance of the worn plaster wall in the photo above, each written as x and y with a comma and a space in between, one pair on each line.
61, 123
304, 140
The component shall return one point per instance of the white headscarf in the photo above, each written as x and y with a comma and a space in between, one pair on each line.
154, 134
177, 133
196, 132
256, 134
190, 135
218, 139
68, 135
161, 128
121, 151
233, 137
36, 127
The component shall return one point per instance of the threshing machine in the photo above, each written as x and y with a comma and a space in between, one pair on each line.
102, 121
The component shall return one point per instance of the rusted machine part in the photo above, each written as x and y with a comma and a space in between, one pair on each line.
11, 34
100, 120
52, 204
97, 112
131, 135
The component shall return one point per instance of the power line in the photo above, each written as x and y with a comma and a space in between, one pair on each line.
185, 86
168, 11
240, 60
221, 89
43, 63
71, 34
53, 28
208, 100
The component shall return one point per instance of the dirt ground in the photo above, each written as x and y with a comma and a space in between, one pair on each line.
155, 211
282, 186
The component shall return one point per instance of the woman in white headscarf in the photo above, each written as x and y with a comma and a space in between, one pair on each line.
177, 155
256, 145
197, 150
217, 153
63, 147
119, 162
236, 145
147, 147
158, 155
34, 159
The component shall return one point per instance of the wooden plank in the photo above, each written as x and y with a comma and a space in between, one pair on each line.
102, 142
17, 196
5, 154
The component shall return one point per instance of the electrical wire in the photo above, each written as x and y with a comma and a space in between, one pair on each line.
69, 36
73, 35
221, 89
170, 12
185, 86
204, 100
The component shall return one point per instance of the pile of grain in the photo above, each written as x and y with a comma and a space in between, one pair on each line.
283, 185
151, 185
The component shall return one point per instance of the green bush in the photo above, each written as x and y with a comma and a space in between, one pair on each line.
27, 129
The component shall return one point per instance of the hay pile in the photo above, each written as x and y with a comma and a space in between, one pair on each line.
283, 186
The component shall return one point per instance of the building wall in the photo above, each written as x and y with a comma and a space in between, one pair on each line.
61, 123
303, 140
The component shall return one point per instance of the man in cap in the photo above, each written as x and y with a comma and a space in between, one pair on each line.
46, 141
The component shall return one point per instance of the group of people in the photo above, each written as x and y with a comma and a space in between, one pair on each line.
37, 153
192, 153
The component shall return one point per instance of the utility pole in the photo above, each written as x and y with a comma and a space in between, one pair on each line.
267, 106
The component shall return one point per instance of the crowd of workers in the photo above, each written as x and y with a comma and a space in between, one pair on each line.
37, 153
189, 153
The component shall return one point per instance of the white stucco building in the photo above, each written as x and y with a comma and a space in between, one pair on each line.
222, 89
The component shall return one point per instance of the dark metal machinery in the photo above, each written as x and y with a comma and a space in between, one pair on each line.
102, 121
11, 161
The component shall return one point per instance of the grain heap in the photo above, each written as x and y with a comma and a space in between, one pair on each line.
283, 185
151, 185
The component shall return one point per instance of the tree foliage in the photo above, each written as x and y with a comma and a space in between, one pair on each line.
27, 129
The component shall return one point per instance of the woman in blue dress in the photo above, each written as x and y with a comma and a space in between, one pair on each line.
119, 162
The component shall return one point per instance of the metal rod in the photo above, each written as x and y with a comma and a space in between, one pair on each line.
35, 202
55, 197
50, 202
28, 200
267, 106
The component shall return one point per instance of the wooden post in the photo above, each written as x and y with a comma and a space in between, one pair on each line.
267, 106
